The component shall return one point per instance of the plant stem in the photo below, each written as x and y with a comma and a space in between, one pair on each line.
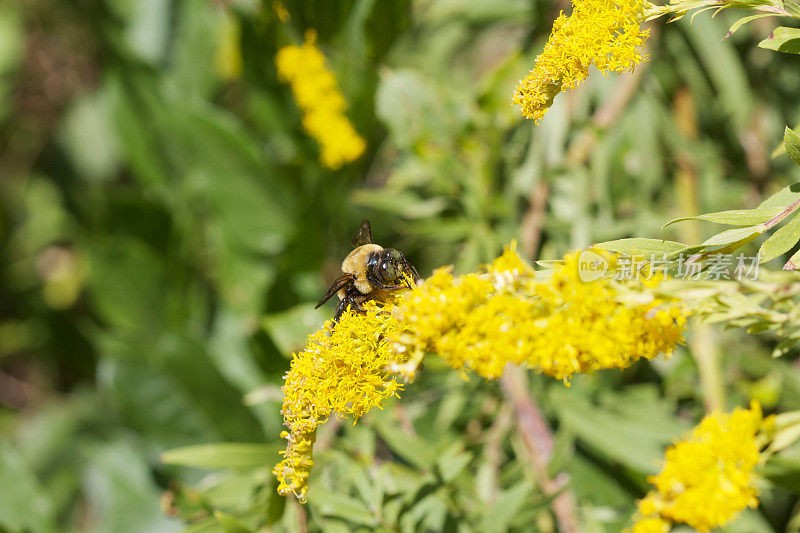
538, 440
702, 342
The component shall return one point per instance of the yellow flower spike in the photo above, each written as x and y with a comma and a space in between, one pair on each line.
559, 327
708, 477
345, 369
603, 33
479, 322
317, 94
295, 468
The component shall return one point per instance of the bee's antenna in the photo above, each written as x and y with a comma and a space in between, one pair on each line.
414, 271
414, 274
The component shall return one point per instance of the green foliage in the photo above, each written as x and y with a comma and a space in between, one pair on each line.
778, 208
783, 39
166, 229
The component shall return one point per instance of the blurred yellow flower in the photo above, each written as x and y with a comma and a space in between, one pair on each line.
651, 525
343, 370
317, 93
708, 477
603, 33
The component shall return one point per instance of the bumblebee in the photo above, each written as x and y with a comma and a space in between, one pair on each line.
368, 273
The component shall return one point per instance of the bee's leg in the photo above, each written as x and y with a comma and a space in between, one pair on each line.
343, 303
374, 281
353, 300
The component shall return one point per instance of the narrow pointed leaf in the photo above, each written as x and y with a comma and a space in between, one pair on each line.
735, 217
792, 142
744, 20
639, 246
230, 523
783, 39
221, 455
794, 262
784, 197
735, 235
781, 241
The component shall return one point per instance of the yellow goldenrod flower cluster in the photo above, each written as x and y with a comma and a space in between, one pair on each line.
317, 93
603, 33
708, 477
479, 322
559, 326
343, 370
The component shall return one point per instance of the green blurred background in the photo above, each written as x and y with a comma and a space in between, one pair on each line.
166, 229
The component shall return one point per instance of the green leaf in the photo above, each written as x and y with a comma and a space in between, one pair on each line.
794, 262
12, 43
135, 110
634, 436
289, 329
120, 490
209, 525
785, 346
342, 506
24, 504
785, 438
642, 246
784, 197
744, 20
231, 524
781, 241
783, 468
276, 504
586, 475
412, 109
452, 463
385, 24
787, 431
507, 507
221, 455
735, 217
89, 138
783, 39
147, 30
405, 204
737, 236
230, 350
174, 371
792, 143
190, 49
724, 68
411, 448
229, 489
127, 285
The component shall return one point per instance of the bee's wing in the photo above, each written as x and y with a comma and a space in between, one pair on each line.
339, 283
364, 235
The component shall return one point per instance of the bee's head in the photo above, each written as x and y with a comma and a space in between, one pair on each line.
389, 266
